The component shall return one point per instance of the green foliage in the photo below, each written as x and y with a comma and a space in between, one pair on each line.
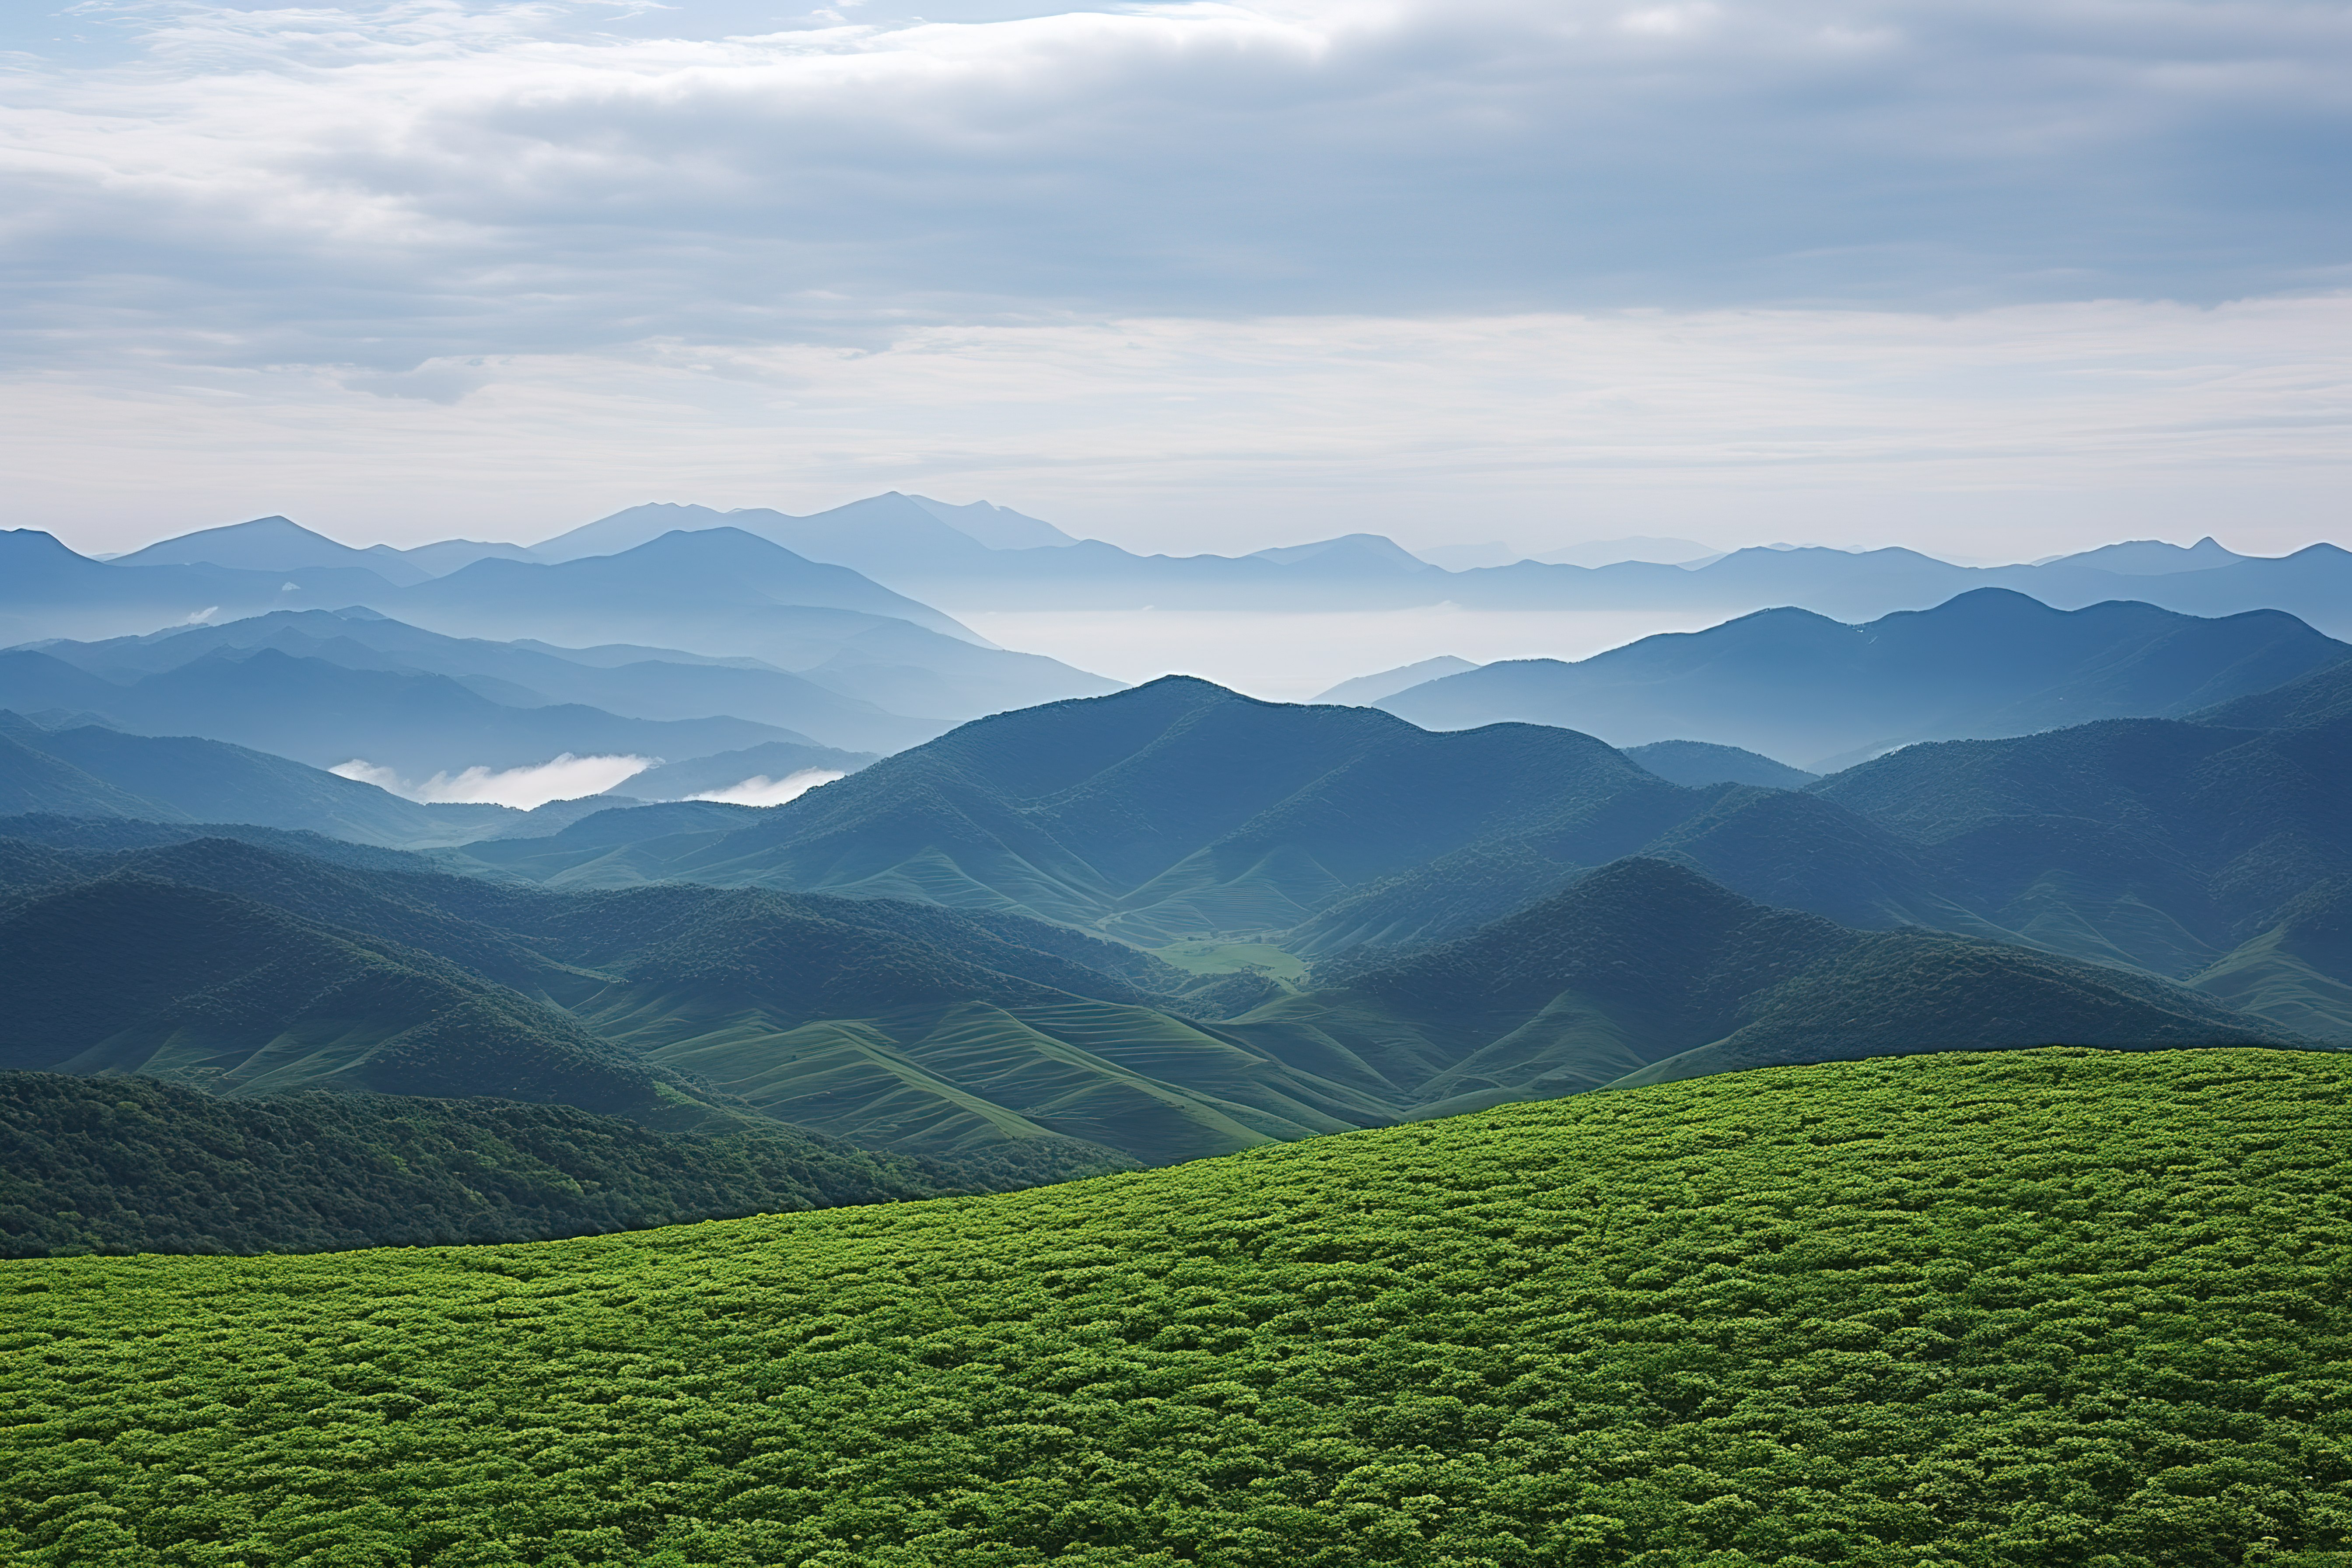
129, 1164
2038, 1308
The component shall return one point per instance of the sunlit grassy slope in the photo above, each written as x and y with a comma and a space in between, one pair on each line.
1234, 958
2050, 1307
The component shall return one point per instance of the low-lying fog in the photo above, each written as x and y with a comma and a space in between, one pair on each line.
566, 777
1293, 658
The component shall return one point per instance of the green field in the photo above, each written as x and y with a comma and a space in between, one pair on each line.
1233, 958
2035, 1308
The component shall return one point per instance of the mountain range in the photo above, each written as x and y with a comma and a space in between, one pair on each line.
391, 686
1179, 811
715, 594
909, 1026
1808, 689
1036, 920
983, 557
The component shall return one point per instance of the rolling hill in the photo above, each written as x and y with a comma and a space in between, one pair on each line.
1796, 685
2019, 1309
922, 1029
131, 973
1645, 969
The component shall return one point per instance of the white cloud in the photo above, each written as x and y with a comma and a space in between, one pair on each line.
430, 266
2008, 433
564, 777
377, 185
761, 790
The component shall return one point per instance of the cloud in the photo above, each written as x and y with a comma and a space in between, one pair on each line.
1576, 266
761, 790
564, 777
2009, 432
381, 187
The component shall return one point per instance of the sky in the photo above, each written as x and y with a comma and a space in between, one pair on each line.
1987, 278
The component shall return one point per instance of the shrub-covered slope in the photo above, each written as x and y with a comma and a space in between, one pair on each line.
129, 1164
2033, 1309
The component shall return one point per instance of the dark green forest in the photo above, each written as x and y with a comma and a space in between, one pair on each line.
128, 1164
2056, 1307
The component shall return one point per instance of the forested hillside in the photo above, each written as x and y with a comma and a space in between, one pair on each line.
245, 970
129, 1164
2047, 1307
1179, 810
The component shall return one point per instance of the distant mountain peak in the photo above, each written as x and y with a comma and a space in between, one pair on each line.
272, 544
997, 527
1371, 549
1366, 689
2154, 557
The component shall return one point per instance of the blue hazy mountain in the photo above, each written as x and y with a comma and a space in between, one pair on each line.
1801, 688
325, 713
893, 539
48, 591
633, 683
274, 544
983, 557
1365, 691
718, 568
722, 591
1698, 764
990, 557
717, 593
90, 771
892, 535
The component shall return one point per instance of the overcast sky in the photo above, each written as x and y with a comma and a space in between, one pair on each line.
1987, 277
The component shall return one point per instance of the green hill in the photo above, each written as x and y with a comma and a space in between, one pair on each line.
130, 973
2044, 1308
1647, 970
242, 969
131, 1165
1170, 810
1179, 811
